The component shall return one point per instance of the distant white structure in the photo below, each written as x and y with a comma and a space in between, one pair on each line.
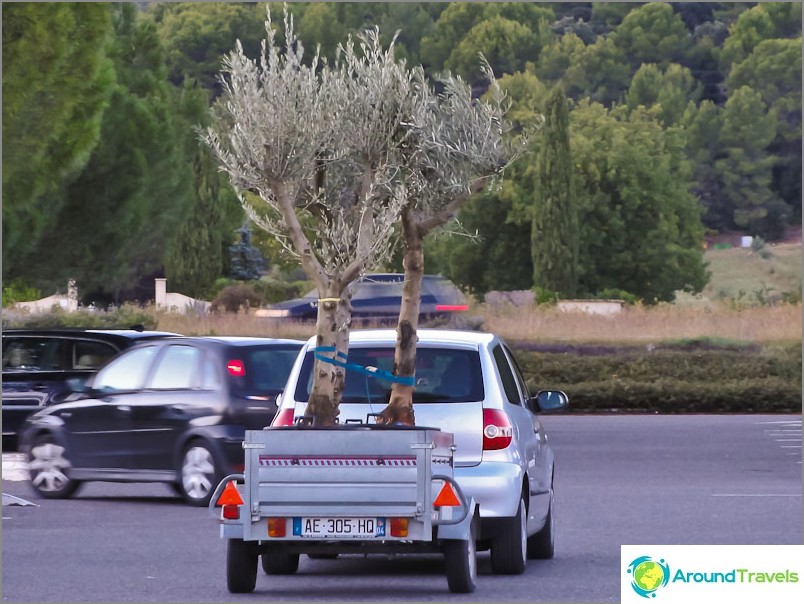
177, 302
591, 307
68, 302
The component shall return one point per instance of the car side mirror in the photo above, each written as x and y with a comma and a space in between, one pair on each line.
549, 400
77, 385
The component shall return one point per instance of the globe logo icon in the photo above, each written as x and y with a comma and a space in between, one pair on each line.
648, 575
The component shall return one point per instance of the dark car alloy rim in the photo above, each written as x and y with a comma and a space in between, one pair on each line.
197, 471
47, 467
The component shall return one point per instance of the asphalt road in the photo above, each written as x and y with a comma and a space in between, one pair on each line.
620, 480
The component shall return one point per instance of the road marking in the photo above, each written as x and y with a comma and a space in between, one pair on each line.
756, 494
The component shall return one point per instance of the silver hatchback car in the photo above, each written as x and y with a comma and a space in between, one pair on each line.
469, 384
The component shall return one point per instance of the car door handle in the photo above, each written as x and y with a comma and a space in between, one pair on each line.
124, 408
39, 387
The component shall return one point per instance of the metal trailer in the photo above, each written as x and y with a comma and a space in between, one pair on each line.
354, 488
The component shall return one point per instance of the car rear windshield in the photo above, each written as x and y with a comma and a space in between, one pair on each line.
442, 375
260, 370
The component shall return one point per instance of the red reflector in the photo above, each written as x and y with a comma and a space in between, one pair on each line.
276, 527
497, 430
452, 307
446, 497
236, 368
230, 495
283, 418
399, 527
231, 511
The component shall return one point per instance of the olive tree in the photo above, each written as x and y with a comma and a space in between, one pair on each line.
329, 157
459, 145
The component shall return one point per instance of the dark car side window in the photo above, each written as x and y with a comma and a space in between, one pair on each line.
91, 355
506, 375
176, 369
126, 372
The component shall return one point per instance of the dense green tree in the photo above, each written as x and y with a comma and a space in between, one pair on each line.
451, 27
671, 89
505, 44
652, 33
196, 257
554, 238
773, 69
701, 126
123, 209
640, 229
598, 71
196, 35
746, 170
764, 21
56, 86
556, 57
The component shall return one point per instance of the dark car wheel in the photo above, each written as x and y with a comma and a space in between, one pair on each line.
542, 545
509, 548
200, 473
49, 467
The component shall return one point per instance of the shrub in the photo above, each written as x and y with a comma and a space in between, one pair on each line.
123, 317
235, 298
16, 291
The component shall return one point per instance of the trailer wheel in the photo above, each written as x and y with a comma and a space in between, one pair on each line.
241, 566
461, 563
509, 548
278, 562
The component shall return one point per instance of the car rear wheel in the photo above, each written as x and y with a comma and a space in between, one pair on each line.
278, 562
542, 545
241, 566
509, 548
49, 467
200, 473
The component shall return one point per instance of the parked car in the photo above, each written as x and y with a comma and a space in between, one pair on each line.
37, 363
172, 411
377, 297
467, 383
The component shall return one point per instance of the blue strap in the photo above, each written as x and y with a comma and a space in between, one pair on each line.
369, 371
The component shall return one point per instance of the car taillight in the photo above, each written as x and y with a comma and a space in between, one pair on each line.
497, 430
236, 368
456, 307
283, 418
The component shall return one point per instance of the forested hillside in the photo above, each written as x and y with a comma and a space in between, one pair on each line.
659, 121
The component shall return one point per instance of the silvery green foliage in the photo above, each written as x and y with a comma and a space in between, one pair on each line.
324, 139
465, 145
335, 151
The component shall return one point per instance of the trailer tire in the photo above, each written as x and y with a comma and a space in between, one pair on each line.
461, 563
241, 566
279, 562
509, 550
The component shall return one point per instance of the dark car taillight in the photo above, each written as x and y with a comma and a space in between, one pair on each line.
236, 368
497, 430
283, 418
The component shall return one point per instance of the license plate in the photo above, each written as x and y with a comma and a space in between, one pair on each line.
339, 528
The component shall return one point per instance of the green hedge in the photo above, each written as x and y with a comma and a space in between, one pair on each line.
669, 379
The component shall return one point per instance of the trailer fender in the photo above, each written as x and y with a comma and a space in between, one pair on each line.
461, 529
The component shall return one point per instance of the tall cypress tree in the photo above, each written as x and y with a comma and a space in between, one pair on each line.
554, 233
